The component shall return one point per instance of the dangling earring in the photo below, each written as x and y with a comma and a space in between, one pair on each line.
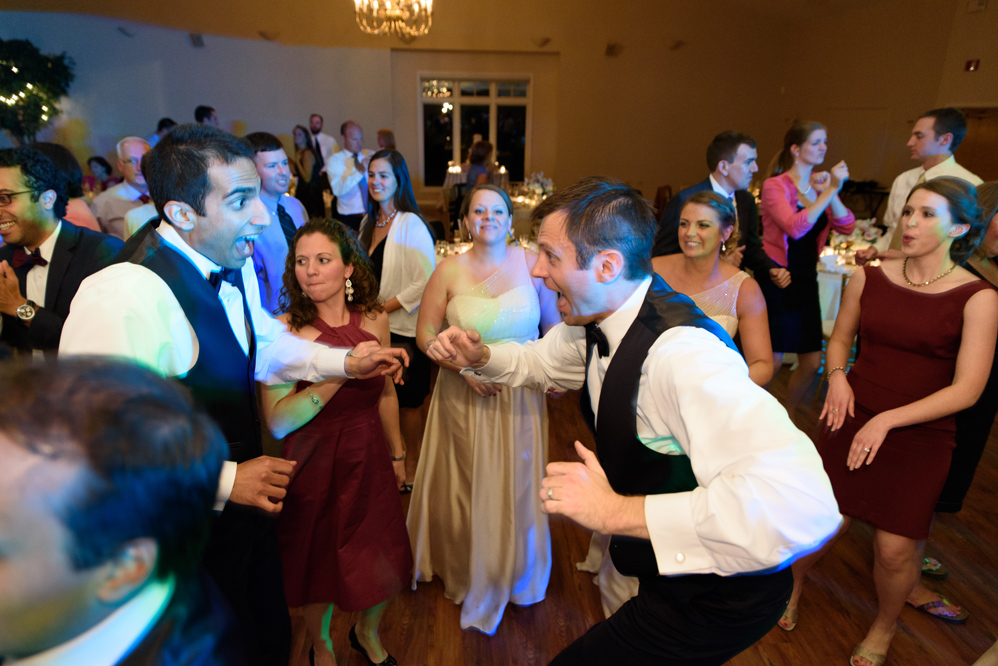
509, 235
349, 289
724, 248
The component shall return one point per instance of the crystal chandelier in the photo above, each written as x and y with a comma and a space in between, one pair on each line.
406, 19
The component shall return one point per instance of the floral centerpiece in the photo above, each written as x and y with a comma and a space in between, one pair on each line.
538, 185
865, 234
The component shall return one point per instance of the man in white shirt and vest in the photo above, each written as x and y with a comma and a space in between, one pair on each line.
107, 479
111, 205
708, 489
934, 138
184, 301
347, 171
325, 144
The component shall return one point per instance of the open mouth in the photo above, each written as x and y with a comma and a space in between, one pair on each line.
245, 245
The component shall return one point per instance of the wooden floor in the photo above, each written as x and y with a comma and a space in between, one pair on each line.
839, 603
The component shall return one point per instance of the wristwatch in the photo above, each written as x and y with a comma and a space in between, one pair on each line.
27, 311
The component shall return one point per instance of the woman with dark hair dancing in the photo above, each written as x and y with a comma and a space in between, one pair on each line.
342, 532
928, 328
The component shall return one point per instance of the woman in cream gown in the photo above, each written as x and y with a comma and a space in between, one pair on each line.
475, 519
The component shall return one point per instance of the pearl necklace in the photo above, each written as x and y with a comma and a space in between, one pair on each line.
388, 220
904, 272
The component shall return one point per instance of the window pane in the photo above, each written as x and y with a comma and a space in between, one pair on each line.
474, 121
438, 132
511, 137
475, 88
511, 89
438, 88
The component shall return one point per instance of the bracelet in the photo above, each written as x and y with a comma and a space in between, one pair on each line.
399, 459
829, 374
315, 401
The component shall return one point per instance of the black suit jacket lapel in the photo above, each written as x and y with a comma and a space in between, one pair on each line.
62, 254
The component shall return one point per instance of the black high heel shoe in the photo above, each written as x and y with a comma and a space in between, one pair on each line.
355, 644
311, 656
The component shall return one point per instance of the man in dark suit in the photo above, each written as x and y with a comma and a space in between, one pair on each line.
731, 158
44, 259
107, 480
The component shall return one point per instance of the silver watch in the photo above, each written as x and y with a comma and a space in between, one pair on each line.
27, 311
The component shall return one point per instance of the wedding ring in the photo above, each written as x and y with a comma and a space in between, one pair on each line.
834, 409
430, 343
550, 493
867, 450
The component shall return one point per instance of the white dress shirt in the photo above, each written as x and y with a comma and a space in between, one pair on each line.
763, 496
112, 204
127, 310
906, 181
137, 217
344, 179
327, 146
410, 258
110, 640
271, 249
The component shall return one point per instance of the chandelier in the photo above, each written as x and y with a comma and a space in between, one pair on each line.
406, 19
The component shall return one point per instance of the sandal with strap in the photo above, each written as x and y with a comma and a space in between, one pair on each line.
789, 620
933, 568
944, 604
861, 652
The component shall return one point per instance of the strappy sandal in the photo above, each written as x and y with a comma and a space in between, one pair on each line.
861, 652
790, 615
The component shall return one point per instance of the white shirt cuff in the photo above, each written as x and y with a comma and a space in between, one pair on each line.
676, 544
499, 362
226, 480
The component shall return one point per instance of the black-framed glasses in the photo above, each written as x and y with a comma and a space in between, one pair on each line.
7, 197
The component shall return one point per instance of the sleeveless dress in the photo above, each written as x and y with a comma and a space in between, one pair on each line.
720, 302
910, 344
475, 519
342, 530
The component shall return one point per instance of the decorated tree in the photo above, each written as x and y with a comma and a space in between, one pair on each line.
31, 84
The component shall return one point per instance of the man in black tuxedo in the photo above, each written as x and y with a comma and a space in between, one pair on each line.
107, 480
44, 258
731, 158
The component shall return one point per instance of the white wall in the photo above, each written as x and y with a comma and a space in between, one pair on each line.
125, 85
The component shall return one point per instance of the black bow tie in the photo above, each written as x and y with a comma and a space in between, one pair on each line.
21, 258
595, 336
224, 275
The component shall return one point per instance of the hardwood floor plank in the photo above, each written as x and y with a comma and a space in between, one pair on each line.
839, 603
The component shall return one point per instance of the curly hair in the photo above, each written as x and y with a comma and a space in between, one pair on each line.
725, 212
300, 308
961, 198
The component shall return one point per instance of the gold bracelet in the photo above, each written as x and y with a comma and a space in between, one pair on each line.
315, 401
394, 459
828, 375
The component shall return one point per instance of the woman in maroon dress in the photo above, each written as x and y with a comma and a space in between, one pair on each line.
342, 531
928, 328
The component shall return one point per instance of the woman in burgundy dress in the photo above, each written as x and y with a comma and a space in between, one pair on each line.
342, 531
928, 328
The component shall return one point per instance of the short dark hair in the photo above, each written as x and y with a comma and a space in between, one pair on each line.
725, 147
725, 212
961, 199
605, 214
263, 142
948, 120
150, 460
346, 125
388, 137
317, 115
202, 113
103, 162
40, 175
177, 168
366, 299
65, 162
165, 123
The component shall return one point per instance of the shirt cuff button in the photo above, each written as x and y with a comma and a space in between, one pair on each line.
680, 557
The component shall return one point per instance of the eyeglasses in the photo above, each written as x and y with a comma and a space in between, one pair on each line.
7, 197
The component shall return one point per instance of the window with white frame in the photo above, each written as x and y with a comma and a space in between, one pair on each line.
458, 112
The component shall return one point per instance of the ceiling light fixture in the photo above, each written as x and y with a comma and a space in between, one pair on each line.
406, 19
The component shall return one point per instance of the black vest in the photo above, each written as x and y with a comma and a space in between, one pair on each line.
631, 467
222, 381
